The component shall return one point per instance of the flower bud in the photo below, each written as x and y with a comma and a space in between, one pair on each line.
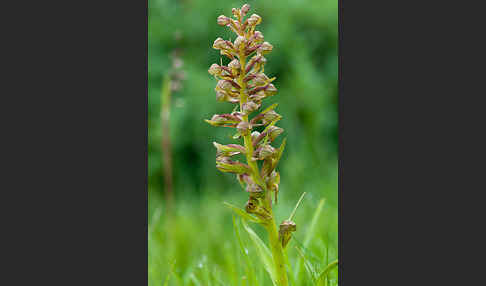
244, 178
219, 44
254, 20
215, 70
235, 66
266, 151
254, 190
285, 231
243, 128
240, 43
274, 131
224, 85
249, 107
254, 135
217, 120
257, 60
245, 9
228, 166
258, 37
228, 150
270, 116
223, 20
274, 178
270, 90
265, 48
223, 160
260, 79
251, 205
221, 95
235, 12
257, 97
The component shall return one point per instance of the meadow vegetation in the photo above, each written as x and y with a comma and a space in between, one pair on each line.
201, 242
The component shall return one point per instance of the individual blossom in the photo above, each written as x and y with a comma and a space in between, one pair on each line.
223, 20
254, 20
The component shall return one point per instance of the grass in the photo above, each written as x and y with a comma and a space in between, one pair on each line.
204, 244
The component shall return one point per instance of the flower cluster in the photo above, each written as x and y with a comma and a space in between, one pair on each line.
243, 82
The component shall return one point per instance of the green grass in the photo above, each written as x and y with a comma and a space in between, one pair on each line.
200, 244
204, 243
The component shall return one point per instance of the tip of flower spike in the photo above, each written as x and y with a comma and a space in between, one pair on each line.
245, 9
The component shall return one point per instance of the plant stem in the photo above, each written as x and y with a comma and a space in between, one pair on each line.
276, 247
275, 244
166, 142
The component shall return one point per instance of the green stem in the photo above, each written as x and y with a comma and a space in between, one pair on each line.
275, 244
276, 248
166, 142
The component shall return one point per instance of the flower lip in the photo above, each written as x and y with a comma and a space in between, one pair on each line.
219, 44
254, 20
223, 20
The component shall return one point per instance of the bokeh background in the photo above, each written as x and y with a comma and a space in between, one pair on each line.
196, 243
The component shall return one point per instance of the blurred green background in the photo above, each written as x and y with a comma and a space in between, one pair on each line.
199, 236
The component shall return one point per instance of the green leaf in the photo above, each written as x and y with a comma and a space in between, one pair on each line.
326, 270
263, 252
271, 107
310, 269
310, 234
166, 283
195, 280
242, 213
230, 149
279, 153
250, 272
234, 167
220, 123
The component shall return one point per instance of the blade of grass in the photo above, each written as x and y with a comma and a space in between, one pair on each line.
249, 271
171, 269
309, 234
326, 270
296, 206
311, 271
263, 251
242, 213
194, 279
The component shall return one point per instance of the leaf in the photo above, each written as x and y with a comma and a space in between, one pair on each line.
230, 149
296, 206
327, 269
220, 123
311, 271
310, 233
234, 167
166, 283
195, 280
250, 273
242, 213
271, 107
279, 154
263, 251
